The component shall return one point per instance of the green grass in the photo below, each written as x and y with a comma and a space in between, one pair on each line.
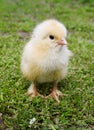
76, 109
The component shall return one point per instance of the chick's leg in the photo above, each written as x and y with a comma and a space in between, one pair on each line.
55, 93
32, 91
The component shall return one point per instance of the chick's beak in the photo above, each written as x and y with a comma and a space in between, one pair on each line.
62, 42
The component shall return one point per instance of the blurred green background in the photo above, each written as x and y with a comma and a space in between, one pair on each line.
76, 109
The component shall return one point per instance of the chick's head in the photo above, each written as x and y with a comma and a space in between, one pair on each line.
51, 32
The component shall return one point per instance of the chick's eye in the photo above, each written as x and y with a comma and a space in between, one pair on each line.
51, 37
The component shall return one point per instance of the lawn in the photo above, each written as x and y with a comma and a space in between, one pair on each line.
76, 109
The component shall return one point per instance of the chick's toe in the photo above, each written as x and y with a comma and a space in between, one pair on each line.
55, 94
32, 91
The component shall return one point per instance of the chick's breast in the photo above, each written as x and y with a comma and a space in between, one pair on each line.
39, 64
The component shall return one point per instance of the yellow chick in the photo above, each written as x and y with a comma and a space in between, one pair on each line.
45, 57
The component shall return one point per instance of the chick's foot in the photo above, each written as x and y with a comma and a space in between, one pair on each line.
55, 94
32, 91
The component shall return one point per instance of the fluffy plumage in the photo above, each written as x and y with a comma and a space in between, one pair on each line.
45, 57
